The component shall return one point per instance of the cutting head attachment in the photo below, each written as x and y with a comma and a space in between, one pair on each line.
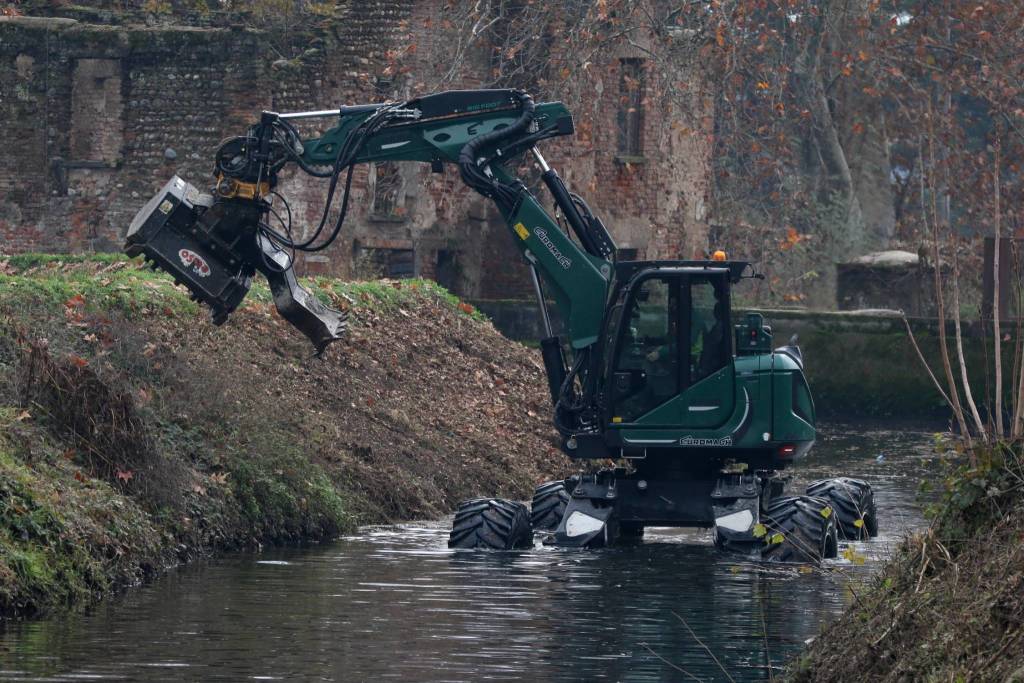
213, 247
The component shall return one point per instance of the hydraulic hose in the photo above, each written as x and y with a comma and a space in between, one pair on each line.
470, 170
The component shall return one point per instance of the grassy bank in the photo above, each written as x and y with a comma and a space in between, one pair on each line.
949, 605
136, 435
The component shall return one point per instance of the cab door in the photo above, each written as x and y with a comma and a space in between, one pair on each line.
646, 368
672, 365
708, 397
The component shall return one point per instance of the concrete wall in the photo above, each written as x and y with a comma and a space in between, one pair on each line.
857, 364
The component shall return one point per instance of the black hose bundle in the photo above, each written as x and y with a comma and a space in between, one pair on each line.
471, 169
573, 412
346, 159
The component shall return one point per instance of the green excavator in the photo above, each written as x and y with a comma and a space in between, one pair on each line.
653, 372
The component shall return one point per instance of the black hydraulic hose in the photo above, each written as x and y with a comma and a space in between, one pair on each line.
337, 226
565, 202
470, 170
346, 158
566, 401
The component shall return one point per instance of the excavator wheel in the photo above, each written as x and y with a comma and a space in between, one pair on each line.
800, 529
854, 503
491, 524
548, 506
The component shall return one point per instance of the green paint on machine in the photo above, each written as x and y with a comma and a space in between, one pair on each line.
658, 374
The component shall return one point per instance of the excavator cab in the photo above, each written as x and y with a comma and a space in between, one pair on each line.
673, 355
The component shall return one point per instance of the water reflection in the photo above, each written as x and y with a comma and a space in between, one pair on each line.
392, 603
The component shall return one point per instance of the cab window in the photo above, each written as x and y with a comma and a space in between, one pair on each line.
647, 362
709, 330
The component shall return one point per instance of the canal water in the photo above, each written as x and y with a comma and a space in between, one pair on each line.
394, 604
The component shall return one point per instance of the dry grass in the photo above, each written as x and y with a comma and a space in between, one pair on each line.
949, 606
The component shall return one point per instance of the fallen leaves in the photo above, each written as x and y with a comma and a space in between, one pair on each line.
77, 360
851, 555
792, 239
74, 311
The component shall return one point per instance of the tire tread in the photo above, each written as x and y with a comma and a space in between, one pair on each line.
492, 524
808, 534
852, 499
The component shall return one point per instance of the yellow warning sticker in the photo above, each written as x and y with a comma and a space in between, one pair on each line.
521, 231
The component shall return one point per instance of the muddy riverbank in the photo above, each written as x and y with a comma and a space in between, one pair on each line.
137, 436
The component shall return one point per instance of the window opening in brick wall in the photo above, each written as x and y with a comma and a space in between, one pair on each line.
377, 262
387, 195
631, 107
446, 272
97, 132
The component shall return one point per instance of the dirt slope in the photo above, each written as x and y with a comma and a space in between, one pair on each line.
137, 435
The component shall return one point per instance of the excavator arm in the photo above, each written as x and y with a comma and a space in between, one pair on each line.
214, 243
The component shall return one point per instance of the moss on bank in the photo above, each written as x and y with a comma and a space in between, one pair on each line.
949, 605
64, 538
135, 435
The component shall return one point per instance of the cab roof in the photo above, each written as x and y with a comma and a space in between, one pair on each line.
625, 270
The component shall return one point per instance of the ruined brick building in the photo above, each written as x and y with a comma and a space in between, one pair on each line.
99, 107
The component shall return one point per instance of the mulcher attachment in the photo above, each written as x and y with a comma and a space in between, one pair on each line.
799, 529
213, 248
854, 504
491, 524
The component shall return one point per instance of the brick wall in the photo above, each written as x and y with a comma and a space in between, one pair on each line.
100, 111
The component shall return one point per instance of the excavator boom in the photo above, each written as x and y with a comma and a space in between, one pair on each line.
214, 243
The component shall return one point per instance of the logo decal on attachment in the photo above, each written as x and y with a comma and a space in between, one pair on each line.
191, 259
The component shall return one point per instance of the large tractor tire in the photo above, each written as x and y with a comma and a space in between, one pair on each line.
491, 524
800, 529
854, 503
548, 506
